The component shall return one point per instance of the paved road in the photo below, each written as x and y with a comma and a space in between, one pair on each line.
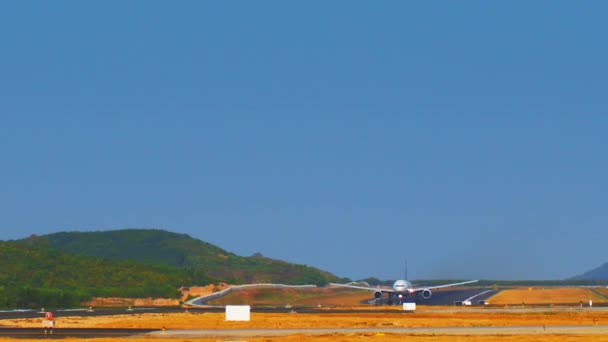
518, 330
231, 333
71, 332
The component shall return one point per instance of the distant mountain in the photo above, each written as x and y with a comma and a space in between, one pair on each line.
599, 273
159, 247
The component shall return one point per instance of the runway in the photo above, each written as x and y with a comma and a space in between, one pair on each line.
442, 297
448, 297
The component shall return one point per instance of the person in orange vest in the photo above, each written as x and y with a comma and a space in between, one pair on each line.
48, 322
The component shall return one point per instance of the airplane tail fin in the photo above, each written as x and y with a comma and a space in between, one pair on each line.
405, 271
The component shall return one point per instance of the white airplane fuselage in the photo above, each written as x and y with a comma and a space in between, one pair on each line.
402, 288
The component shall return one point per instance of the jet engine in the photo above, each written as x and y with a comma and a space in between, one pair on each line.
378, 294
426, 293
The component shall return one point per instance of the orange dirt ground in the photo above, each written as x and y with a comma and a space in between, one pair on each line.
535, 295
296, 297
187, 292
188, 320
347, 298
358, 338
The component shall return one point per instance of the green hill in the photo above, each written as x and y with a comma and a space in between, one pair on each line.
63, 269
38, 276
153, 246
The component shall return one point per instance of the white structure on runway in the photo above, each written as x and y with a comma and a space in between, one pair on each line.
238, 312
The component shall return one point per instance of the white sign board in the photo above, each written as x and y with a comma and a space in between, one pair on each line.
409, 306
238, 312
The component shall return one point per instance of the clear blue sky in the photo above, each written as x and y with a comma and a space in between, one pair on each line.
469, 137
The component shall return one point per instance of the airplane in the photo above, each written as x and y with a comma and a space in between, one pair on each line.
402, 289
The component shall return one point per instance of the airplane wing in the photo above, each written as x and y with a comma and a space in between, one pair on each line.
368, 288
416, 289
411, 290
